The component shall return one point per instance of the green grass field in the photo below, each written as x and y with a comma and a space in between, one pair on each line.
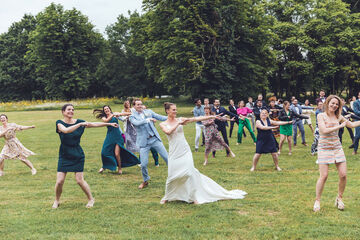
278, 204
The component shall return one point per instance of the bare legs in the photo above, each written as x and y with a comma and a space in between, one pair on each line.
60, 179
312, 129
225, 146
118, 158
27, 163
324, 169
2, 163
257, 157
282, 140
79, 176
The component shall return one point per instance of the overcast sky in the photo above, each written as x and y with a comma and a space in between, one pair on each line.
100, 12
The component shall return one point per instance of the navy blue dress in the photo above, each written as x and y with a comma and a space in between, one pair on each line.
266, 142
113, 138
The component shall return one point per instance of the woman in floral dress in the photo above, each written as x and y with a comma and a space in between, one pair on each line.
213, 139
13, 149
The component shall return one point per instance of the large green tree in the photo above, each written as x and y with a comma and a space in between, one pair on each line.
333, 46
17, 79
66, 50
208, 48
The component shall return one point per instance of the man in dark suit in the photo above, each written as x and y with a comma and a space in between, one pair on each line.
233, 109
222, 124
257, 109
321, 97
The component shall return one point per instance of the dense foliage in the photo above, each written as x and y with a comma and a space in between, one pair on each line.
219, 48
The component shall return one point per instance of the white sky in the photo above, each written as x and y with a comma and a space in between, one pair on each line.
101, 13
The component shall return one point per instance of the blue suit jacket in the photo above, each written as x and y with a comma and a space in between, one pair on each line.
142, 126
356, 107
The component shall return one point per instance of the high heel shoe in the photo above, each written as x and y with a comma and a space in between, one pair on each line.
90, 203
316, 206
55, 205
339, 204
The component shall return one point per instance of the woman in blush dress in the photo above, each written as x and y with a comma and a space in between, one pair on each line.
130, 134
71, 155
213, 139
185, 182
129, 129
13, 149
113, 153
330, 149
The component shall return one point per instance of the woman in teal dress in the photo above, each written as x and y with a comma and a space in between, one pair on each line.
113, 153
71, 155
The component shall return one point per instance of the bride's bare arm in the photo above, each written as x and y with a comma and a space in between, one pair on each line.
169, 130
198, 119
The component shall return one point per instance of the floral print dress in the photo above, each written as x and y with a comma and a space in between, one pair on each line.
213, 139
13, 149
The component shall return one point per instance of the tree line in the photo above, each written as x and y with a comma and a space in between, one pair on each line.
221, 49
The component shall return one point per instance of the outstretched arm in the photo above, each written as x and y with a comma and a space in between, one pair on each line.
158, 116
325, 130
19, 127
137, 122
107, 119
262, 127
63, 129
169, 130
100, 124
350, 124
198, 119
279, 123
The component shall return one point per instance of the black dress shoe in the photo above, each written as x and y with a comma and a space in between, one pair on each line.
351, 146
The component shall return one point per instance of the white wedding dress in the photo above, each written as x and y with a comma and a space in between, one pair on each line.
185, 182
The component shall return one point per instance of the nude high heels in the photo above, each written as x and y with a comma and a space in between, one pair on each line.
316, 206
339, 204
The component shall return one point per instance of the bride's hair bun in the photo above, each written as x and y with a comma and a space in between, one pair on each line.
167, 106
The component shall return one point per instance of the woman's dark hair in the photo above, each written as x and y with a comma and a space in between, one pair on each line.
211, 112
65, 106
167, 105
4, 116
100, 113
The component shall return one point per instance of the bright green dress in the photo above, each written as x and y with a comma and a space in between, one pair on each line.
71, 155
286, 129
113, 138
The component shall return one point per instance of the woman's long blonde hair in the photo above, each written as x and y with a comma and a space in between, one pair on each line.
327, 102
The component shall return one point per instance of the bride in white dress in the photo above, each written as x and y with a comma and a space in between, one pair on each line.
185, 182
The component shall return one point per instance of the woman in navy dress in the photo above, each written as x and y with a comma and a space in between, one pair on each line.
71, 155
266, 142
113, 153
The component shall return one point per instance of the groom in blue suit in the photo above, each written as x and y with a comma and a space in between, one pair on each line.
147, 137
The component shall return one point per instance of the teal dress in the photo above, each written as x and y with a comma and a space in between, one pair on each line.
71, 155
113, 138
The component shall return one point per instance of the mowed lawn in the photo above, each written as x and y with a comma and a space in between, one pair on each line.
278, 204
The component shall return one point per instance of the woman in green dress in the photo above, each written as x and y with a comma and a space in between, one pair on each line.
286, 131
71, 155
113, 153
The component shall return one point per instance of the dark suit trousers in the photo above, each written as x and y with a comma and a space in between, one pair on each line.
224, 134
